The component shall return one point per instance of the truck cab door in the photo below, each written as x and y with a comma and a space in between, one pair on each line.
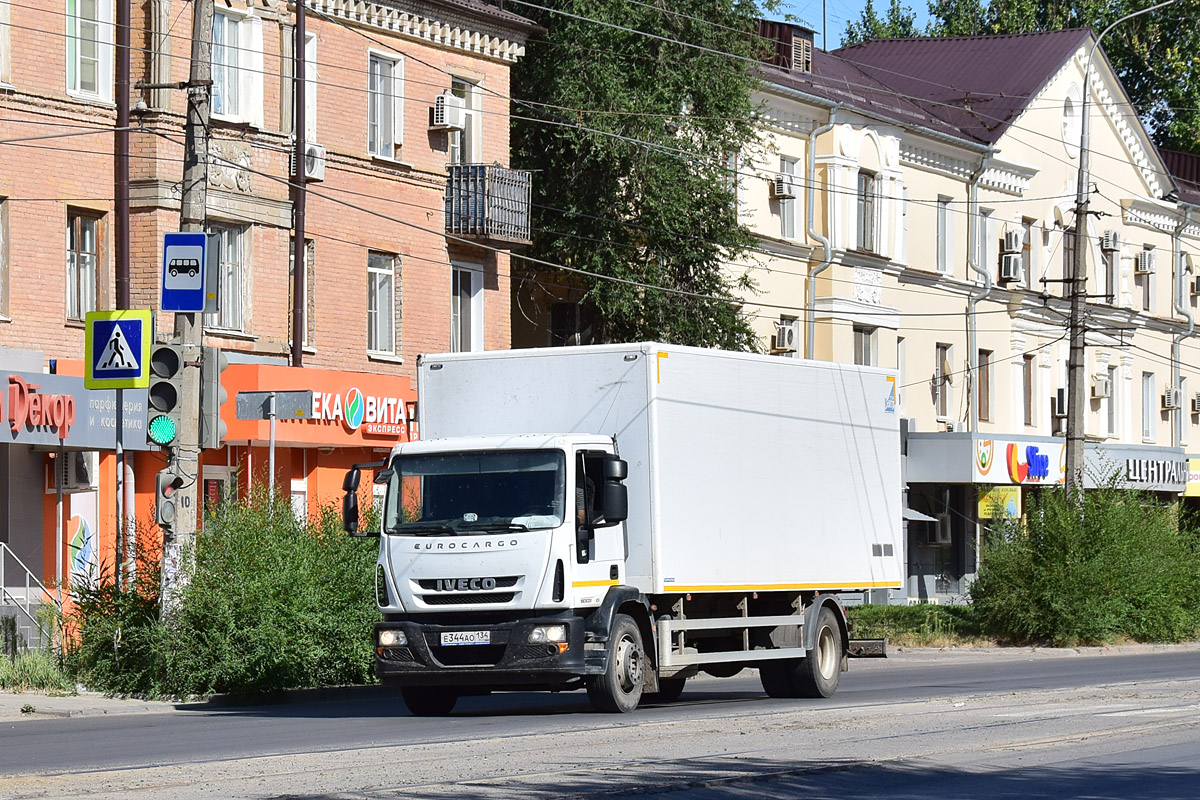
599, 543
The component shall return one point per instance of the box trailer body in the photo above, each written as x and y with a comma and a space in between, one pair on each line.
752, 489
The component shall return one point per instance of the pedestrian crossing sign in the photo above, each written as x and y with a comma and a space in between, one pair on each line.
117, 349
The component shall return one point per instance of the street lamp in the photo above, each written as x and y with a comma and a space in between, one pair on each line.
1076, 378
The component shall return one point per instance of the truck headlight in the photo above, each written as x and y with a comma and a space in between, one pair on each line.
548, 633
391, 638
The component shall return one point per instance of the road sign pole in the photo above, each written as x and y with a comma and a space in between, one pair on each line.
271, 448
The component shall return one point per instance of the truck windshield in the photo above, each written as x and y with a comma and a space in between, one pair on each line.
450, 493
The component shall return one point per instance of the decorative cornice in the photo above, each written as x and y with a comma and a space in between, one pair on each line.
1130, 134
775, 117
913, 155
1155, 215
1008, 177
417, 26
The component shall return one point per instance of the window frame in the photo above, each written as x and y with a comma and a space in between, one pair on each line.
232, 271
787, 206
103, 57
471, 131
84, 289
1028, 389
1111, 418
867, 194
941, 401
1149, 407
394, 111
944, 232
310, 275
866, 352
376, 328
460, 270
983, 383
5, 263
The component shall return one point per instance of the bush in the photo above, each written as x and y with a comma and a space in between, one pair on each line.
274, 603
918, 625
1121, 566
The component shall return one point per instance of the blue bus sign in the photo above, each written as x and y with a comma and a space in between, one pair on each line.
185, 259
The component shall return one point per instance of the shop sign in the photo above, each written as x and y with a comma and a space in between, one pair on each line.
1023, 462
1157, 471
57, 410
1193, 478
369, 414
47, 411
1000, 502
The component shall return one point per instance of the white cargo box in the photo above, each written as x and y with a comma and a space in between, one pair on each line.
746, 472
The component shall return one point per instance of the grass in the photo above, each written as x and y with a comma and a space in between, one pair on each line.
33, 670
921, 625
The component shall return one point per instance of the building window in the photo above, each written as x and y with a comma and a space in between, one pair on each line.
985, 250
230, 278
89, 48
1149, 406
310, 322
571, 324
1112, 402
941, 380
5, 271
385, 107
787, 205
1027, 393
1068, 262
864, 346
466, 308
84, 230
984, 384
464, 144
237, 67
382, 282
901, 371
943, 234
1027, 264
1146, 281
1183, 404
1112, 267
867, 210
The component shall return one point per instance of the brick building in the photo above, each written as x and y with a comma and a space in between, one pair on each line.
402, 257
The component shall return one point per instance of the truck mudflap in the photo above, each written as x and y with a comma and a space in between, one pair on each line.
482, 654
867, 648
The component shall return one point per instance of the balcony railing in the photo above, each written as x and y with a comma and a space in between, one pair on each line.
488, 201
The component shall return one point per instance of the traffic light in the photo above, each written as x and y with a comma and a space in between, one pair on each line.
212, 397
164, 398
166, 483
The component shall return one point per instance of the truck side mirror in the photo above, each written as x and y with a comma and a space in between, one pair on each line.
350, 511
616, 502
350, 482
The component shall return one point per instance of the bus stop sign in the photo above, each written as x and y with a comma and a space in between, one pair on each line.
185, 261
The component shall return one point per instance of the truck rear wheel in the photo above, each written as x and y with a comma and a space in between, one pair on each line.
818, 674
619, 689
430, 701
669, 690
777, 677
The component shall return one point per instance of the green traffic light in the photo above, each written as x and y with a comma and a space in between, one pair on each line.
161, 429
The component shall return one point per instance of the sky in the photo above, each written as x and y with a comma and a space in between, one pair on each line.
838, 12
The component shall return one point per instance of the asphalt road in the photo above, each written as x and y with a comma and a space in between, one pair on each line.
997, 724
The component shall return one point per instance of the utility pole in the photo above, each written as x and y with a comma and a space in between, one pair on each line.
179, 540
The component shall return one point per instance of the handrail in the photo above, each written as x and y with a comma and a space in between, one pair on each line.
10, 598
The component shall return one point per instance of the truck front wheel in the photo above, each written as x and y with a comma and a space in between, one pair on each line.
430, 701
619, 689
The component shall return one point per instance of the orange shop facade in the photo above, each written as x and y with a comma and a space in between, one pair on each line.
355, 417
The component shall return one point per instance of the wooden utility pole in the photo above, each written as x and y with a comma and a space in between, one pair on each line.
179, 541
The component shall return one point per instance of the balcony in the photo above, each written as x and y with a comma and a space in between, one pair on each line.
488, 202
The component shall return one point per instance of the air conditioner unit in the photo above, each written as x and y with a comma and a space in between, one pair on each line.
1058, 404
956, 426
1101, 387
1012, 241
1010, 267
1170, 399
448, 113
785, 336
1144, 265
781, 187
941, 533
76, 471
314, 162
1196, 403
1110, 240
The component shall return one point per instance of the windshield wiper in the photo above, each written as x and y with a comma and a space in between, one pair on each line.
493, 526
428, 527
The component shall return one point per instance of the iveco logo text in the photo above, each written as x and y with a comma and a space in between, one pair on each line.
473, 545
464, 584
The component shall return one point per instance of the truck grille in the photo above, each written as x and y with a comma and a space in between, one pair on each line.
467, 599
483, 655
431, 584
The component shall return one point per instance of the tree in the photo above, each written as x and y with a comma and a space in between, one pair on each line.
630, 132
957, 18
900, 22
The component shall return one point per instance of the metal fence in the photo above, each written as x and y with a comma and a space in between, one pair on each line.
488, 201
23, 598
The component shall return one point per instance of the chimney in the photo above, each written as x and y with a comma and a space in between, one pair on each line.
786, 46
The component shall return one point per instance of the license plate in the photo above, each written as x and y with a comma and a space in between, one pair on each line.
450, 638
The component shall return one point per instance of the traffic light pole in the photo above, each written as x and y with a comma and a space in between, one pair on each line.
179, 540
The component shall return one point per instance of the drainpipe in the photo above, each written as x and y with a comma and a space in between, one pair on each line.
827, 257
975, 298
1182, 310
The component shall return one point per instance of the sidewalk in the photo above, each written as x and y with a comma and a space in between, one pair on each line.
34, 705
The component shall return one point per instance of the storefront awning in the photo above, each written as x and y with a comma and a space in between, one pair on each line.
917, 516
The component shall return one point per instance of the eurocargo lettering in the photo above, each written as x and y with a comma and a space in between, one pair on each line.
570, 520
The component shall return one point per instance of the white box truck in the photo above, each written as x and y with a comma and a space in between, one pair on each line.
622, 517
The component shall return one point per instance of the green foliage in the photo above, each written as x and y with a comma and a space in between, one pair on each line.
630, 137
33, 670
275, 603
1126, 568
899, 22
918, 625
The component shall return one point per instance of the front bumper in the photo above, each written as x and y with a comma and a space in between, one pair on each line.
510, 660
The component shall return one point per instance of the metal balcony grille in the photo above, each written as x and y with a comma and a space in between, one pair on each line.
488, 201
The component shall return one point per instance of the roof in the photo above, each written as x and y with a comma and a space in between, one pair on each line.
495, 11
977, 84
1184, 169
